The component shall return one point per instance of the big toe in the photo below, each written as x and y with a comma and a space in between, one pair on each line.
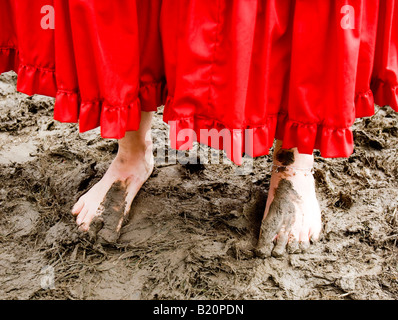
315, 233
280, 247
264, 250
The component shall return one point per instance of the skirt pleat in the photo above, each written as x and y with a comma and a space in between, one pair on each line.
34, 22
8, 37
385, 72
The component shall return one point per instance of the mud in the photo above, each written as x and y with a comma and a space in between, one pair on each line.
106, 227
282, 212
285, 157
192, 228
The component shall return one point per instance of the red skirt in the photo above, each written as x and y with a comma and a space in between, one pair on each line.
93, 58
233, 74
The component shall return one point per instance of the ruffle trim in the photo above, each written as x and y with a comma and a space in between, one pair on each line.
152, 95
257, 140
114, 120
381, 93
8, 59
307, 137
35, 80
385, 94
364, 104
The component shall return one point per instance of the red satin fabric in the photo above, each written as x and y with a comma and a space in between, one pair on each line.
35, 45
283, 69
239, 71
94, 61
8, 37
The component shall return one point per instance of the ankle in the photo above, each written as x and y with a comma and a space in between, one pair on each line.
134, 153
292, 170
291, 158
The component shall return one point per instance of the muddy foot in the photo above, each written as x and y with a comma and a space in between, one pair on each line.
292, 216
105, 207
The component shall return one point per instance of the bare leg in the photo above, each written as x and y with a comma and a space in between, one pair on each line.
108, 202
292, 215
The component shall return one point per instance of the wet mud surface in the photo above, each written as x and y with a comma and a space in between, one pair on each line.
192, 228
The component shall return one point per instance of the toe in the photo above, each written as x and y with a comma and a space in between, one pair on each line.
95, 226
81, 216
77, 208
304, 240
281, 242
264, 250
304, 234
315, 233
293, 246
85, 224
314, 238
268, 233
304, 246
265, 244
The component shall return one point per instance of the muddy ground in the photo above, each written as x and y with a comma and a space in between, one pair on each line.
192, 227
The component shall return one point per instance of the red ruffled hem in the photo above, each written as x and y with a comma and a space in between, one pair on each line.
385, 94
66, 107
185, 131
114, 121
8, 59
306, 137
152, 95
34, 80
382, 94
364, 104
256, 141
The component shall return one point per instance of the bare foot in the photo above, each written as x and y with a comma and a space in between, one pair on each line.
292, 216
104, 208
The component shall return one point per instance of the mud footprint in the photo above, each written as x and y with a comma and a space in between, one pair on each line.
107, 225
279, 221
